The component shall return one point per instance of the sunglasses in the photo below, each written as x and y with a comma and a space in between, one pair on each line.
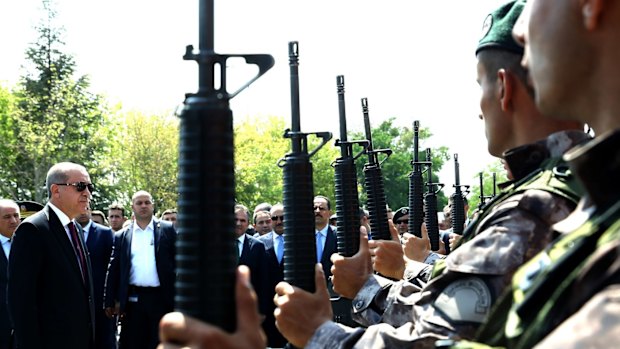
275, 218
406, 221
80, 186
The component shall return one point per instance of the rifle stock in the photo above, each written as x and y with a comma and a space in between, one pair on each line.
375, 189
206, 263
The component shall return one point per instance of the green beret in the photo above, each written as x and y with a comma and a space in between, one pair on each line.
400, 213
497, 28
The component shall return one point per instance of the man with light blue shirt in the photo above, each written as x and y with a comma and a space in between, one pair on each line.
324, 234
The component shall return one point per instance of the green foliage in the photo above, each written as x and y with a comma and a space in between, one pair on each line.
397, 168
55, 117
496, 168
145, 157
259, 144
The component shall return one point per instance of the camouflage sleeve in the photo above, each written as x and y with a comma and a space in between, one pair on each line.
458, 300
455, 302
596, 325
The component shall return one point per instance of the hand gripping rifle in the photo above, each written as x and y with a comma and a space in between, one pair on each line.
347, 205
347, 201
430, 205
416, 185
375, 189
206, 260
299, 240
457, 210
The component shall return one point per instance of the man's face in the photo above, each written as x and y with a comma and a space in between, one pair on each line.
402, 223
170, 217
97, 219
321, 213
67, 198
241, 222
83, 218
263, 223
142, 207
116, 219
277, 220
495, 126
557, 59
9, 220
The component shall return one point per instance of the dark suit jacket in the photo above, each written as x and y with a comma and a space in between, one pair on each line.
253, 255
49, 304
329, 249
117, 279
275, 273
99, 243
5, 322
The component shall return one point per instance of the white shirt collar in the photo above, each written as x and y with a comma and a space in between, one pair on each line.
241, 238
3, 239
323, 231
64, 219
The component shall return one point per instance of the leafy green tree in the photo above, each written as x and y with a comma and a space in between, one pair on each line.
259, 145
145, 157
55, 118
8, 187
397, 168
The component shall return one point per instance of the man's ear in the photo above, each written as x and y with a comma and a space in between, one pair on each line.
591, 11
505, 82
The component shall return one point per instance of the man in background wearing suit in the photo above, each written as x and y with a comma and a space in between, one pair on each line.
99, 240
50, 293
141, 275
274, 247
325, 236
252, 254
9, 220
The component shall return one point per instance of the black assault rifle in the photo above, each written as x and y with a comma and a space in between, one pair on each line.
345, 177
375, 189
416, 187
298, 191
483, 198
206, 262
457, 209
430, 204
347, 204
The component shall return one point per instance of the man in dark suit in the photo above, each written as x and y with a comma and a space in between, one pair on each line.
50, 292
274, 247
326, 243
9, 220
252, 253
141, 275
99, 240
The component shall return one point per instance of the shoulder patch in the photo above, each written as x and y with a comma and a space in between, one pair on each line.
467, 300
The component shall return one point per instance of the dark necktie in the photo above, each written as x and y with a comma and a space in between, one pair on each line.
78, 250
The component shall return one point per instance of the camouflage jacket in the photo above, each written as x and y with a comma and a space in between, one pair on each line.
568, 296
454, 303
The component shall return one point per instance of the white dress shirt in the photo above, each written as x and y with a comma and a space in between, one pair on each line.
143, 271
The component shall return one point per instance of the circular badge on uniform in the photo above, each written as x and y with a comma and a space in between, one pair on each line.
486, 26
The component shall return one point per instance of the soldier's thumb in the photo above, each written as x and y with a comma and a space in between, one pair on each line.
319, 280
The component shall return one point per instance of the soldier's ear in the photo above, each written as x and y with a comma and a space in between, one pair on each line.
506, 89
591, 12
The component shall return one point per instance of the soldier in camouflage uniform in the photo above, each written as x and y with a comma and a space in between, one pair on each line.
568, 296
513, 228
